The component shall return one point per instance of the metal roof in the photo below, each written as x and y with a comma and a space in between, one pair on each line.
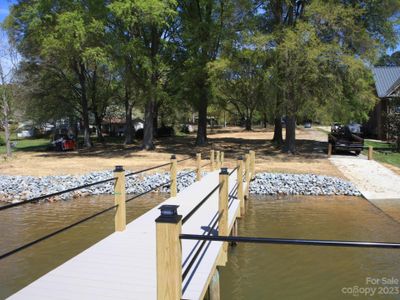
386, 80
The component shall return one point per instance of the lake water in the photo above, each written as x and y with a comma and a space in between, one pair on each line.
256, 271
253, 271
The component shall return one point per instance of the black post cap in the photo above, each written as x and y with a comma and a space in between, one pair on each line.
224, 171
240, 157
173, 156
169, 214
119, 169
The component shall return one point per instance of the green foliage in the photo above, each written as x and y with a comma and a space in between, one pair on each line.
384, 152
239, 82
392, 60
393, 121
303, 59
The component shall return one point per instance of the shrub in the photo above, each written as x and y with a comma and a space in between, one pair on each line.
393, 119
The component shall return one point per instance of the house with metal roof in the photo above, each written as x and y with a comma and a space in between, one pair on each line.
387, 84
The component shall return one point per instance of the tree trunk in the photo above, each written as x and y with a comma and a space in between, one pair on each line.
6, 124
98, 121
6, 113
248, 124
85, 108
201, 138
290, 138
129, 124
277, 139
265, 120
148, 130
155, 118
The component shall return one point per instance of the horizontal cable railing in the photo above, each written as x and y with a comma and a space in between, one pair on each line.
308, 242
54, 194
208, 234
205, 165
148, 169
233, 171
85, 219
156, 187
187, 217
55, 232
155, 167
4, 207
184, 159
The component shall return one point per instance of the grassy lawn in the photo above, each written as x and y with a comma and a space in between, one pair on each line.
28, 145
383, 152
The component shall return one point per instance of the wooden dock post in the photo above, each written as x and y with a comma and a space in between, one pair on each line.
119, 199
198, 169
218, 160
222, 158
240, 186
370, 153
214, 287
252, 164
212, 160
223, 212
329, 150
247, 173
169, 254
173, 167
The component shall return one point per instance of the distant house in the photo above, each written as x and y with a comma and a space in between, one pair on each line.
116, 126
387, 83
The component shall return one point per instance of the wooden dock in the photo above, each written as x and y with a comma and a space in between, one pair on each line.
124, 264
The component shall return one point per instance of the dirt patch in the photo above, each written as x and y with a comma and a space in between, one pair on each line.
233, 141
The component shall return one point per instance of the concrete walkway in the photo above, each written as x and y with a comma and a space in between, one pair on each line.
374, 181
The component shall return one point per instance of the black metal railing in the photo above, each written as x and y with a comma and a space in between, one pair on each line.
200, 204
158, 186
29, 244
55, 194
308, 242
212, 228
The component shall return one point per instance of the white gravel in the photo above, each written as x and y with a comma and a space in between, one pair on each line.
19, 188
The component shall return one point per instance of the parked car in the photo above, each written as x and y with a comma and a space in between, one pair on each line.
307, 124
346, 138
62, 142
335, 127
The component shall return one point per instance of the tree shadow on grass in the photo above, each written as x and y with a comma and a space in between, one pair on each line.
185, 146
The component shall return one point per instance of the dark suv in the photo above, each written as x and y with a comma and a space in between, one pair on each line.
347, 138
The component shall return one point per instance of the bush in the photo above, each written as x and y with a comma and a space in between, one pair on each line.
394, 127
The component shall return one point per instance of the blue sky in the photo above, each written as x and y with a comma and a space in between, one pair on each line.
4, 4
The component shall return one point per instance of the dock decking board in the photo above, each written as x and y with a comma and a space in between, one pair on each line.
123, 265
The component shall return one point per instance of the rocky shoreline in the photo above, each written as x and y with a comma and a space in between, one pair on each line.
19, 188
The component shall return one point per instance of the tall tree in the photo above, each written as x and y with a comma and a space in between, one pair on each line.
147, 23
8, 61
354, 29
67, 37
204, 25
239, 82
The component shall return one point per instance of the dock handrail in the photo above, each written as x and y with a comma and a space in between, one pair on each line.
158, 186
196, 208
308, 242
209, 232
27, 245
4, 207
55, 194
117, 193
